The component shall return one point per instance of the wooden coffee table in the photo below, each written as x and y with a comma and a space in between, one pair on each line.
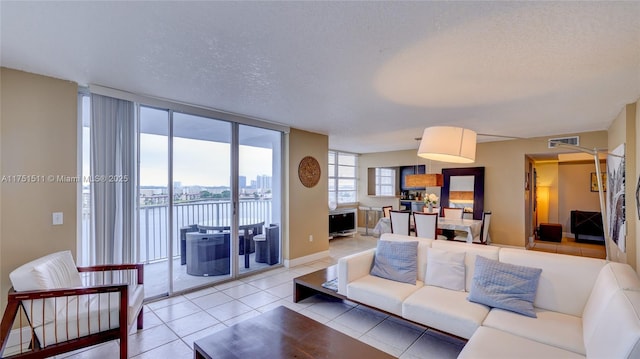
282, 333
310, 284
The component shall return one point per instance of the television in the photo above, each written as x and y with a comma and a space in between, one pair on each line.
342, 223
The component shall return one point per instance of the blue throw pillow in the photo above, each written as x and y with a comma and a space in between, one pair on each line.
397, 261
505, 286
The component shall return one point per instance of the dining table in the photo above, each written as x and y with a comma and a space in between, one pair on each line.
471, 226
246, 234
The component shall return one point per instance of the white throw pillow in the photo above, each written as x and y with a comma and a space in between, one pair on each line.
445, 269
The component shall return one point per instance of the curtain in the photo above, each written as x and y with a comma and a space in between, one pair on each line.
113, 168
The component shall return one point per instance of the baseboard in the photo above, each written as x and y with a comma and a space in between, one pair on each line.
306, 259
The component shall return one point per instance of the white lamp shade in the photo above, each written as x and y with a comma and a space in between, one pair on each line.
448, 144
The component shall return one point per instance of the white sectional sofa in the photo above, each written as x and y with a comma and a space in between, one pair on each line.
585, 307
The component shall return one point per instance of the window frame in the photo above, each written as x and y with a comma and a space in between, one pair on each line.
379, 185
334, 178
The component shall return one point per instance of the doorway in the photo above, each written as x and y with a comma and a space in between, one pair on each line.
560, 184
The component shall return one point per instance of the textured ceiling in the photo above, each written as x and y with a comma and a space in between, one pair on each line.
371, 75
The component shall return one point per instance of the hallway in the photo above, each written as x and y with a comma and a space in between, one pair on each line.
571, 247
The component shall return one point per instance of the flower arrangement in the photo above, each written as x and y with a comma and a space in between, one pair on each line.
431, 199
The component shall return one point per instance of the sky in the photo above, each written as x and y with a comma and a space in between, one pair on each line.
195, 162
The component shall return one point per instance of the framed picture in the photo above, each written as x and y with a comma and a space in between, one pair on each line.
615, 197
594, 182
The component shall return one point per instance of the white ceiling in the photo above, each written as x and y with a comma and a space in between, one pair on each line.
371, 75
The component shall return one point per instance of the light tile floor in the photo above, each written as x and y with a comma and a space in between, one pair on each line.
571, 247
173, 324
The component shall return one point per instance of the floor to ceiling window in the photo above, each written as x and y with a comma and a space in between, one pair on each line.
343, 169
209, 196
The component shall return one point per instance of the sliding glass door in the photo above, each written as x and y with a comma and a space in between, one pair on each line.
259, 193
209, 197
202, 201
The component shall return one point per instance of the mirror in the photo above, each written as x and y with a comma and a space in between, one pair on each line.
461, 193
464, 188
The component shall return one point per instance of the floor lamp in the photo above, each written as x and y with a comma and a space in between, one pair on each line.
458, 145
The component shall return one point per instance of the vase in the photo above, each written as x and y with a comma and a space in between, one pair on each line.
430, 208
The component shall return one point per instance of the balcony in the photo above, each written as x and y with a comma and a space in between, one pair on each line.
154, 240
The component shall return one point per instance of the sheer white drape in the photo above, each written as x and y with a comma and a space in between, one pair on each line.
113, 168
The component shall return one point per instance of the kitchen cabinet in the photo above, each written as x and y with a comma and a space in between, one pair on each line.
411, 170
411, 205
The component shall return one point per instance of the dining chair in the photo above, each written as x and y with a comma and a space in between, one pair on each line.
426, 224
483, 237
386, 210
450, 212
400, 222
484, 232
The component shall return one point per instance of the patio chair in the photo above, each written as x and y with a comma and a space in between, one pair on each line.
267, 245
183, 241
60, 308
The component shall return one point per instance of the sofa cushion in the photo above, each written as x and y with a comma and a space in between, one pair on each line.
490, 343
612, 277
471, 252
445, 269
381, 293
423, 245
617, 333
396, 260
505, 286
552, 328
445, 310
563, 276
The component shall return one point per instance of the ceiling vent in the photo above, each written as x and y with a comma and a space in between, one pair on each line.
573, 141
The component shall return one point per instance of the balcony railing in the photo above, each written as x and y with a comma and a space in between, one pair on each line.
153, 222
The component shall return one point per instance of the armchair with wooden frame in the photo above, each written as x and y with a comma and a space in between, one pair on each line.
55, 307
